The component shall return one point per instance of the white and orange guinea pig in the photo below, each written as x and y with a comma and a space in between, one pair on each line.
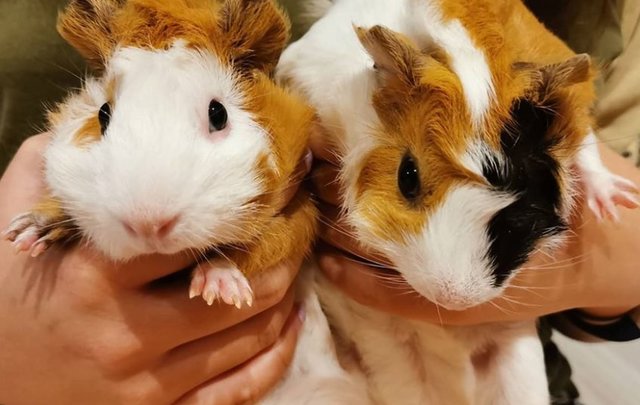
463, 129
183, 142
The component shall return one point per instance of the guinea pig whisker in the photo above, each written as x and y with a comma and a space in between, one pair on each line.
366, 262
543, 252
336, 228
504, 311
558, 265
572, 150
439, 314
516, 302
530, 291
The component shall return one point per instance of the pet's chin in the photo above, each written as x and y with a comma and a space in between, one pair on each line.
451, 299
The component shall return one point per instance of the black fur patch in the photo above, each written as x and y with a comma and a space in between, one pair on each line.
530, 175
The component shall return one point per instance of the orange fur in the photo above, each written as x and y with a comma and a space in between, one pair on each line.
247, 33
248, 37
509, 34
49, 214
288, 235
423, 111
89, 132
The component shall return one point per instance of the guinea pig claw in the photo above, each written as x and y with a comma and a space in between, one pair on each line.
248, 298
197, 283
209, 297
605, 190
222, 281
9, 235
18, 225
38, 248
25, 240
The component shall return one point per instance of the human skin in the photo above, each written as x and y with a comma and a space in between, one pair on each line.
77, 329
597, 270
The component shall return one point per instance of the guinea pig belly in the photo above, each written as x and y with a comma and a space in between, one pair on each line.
316, 376
408, 362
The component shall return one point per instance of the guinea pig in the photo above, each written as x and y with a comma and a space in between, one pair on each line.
183, 141
458, 139
462, 129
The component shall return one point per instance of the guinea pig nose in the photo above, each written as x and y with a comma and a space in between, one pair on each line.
155, 227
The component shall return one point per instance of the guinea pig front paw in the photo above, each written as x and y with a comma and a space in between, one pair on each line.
604, 190
34, 232
221, 280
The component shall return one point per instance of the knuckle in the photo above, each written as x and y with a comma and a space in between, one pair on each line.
247, 395
33, 144
115, 352
273, 289
141, 391
271, 332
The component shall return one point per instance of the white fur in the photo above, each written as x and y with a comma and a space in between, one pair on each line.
467, 60
157, 156
478, 155
447, 262
406, 362
315, 376
601, 187
315, 9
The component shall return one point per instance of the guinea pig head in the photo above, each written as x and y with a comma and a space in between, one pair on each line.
184, 141
456, 205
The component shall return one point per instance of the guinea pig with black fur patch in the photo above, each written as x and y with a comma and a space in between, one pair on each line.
462, 129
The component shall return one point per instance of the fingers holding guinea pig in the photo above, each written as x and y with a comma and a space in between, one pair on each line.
531, 294
202, 359
252, 380
178, 319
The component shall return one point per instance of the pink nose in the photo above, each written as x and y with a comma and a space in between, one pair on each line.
155, 227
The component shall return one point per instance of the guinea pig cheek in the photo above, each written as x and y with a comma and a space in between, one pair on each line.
447, 261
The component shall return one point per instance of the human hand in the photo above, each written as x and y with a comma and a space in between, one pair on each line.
76, 328
596, 271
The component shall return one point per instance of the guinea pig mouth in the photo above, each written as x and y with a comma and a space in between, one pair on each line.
451, 295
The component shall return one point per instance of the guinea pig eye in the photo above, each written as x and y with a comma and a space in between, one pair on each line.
104, 116
409, 178
217, 116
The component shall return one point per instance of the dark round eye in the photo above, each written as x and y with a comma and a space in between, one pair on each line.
409, 178
217, 116
104, 116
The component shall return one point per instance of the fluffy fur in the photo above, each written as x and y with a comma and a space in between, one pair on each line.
157, 165
162, 63
494, 123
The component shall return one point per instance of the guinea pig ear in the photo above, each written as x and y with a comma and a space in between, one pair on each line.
86, 25
259, 31
394, 56
549, 79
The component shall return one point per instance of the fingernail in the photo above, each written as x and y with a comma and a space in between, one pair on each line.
302, 313
330, 265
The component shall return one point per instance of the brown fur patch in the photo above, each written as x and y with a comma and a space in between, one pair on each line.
247, 36
423, 112
287, 120
251, 34
89, 132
